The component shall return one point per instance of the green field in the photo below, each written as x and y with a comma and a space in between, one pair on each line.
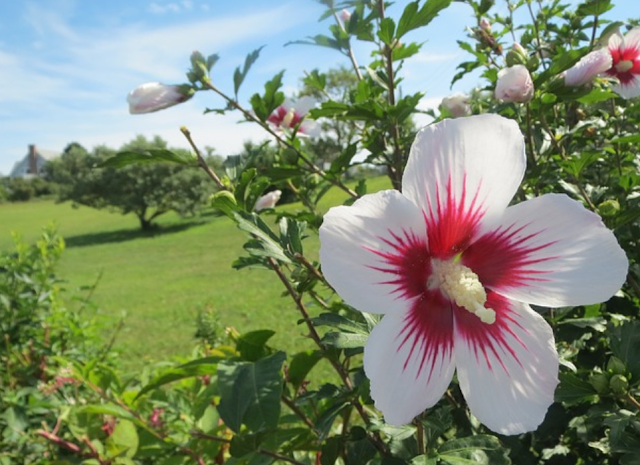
160, 281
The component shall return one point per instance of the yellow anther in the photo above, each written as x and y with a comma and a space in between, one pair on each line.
462, 286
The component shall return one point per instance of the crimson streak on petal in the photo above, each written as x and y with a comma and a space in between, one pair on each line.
485, 340
451, 227
408, 263
506, 258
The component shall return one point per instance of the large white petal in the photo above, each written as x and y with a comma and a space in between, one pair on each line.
549, 251
508, 371
409, 360
374, 252
462, 169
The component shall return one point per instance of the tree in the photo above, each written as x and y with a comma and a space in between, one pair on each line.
147, 191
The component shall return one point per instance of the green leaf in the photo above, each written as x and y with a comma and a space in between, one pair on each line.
238, 76
630, 139
594, 8
597, 95
412, 18
123, 441
625, 344
301, 364
291, 235
469, 450
149, 156
250, 392
224, 201
106, 409
252, 345
340, 322
386, 31
264, 105
573, 390
266, 244
199, 367
345, 340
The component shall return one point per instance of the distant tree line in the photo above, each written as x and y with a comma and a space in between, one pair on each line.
147, 190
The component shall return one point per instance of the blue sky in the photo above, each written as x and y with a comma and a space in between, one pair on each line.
66, 66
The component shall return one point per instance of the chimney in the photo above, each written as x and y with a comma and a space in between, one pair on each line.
33, 161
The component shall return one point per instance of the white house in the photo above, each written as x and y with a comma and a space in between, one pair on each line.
33, 163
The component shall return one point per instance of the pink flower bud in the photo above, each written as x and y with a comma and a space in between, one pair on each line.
516, 47
456, 105
588, 67
514, 84
345, 15
485, 25
154, 96
268, 200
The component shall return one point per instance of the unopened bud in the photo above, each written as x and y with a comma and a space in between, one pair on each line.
345, 15
610, 207
517, 55
485, 25
619, 384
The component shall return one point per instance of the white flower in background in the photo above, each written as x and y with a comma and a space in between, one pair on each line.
620, 59
514, 84
453, 269
291, 114
456, 105
268, 200
154, 96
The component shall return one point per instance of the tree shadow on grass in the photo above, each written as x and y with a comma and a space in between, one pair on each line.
122, 235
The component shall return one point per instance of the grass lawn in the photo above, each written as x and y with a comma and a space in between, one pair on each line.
161, 281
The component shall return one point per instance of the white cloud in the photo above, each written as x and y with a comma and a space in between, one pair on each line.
158, 9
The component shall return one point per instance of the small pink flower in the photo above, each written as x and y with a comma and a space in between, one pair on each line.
588, 67
345, 15
456, 105
154, 96
485, 25
625, 66
514, 84
268, 200
290, 115
155, 419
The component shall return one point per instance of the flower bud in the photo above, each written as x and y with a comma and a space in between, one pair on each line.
345, 15
517, 55
619, 384
514, 84
610, 207
616, 366
600, 382
456, 105
268, 200
154, 96
485, 25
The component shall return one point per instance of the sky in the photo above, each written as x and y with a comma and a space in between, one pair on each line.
66, 66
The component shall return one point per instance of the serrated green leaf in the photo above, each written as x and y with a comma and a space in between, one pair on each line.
345, 340
240, 75
625, 344
594, 8
413, 18
301, 364
252, 345
573, 390
250, 392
